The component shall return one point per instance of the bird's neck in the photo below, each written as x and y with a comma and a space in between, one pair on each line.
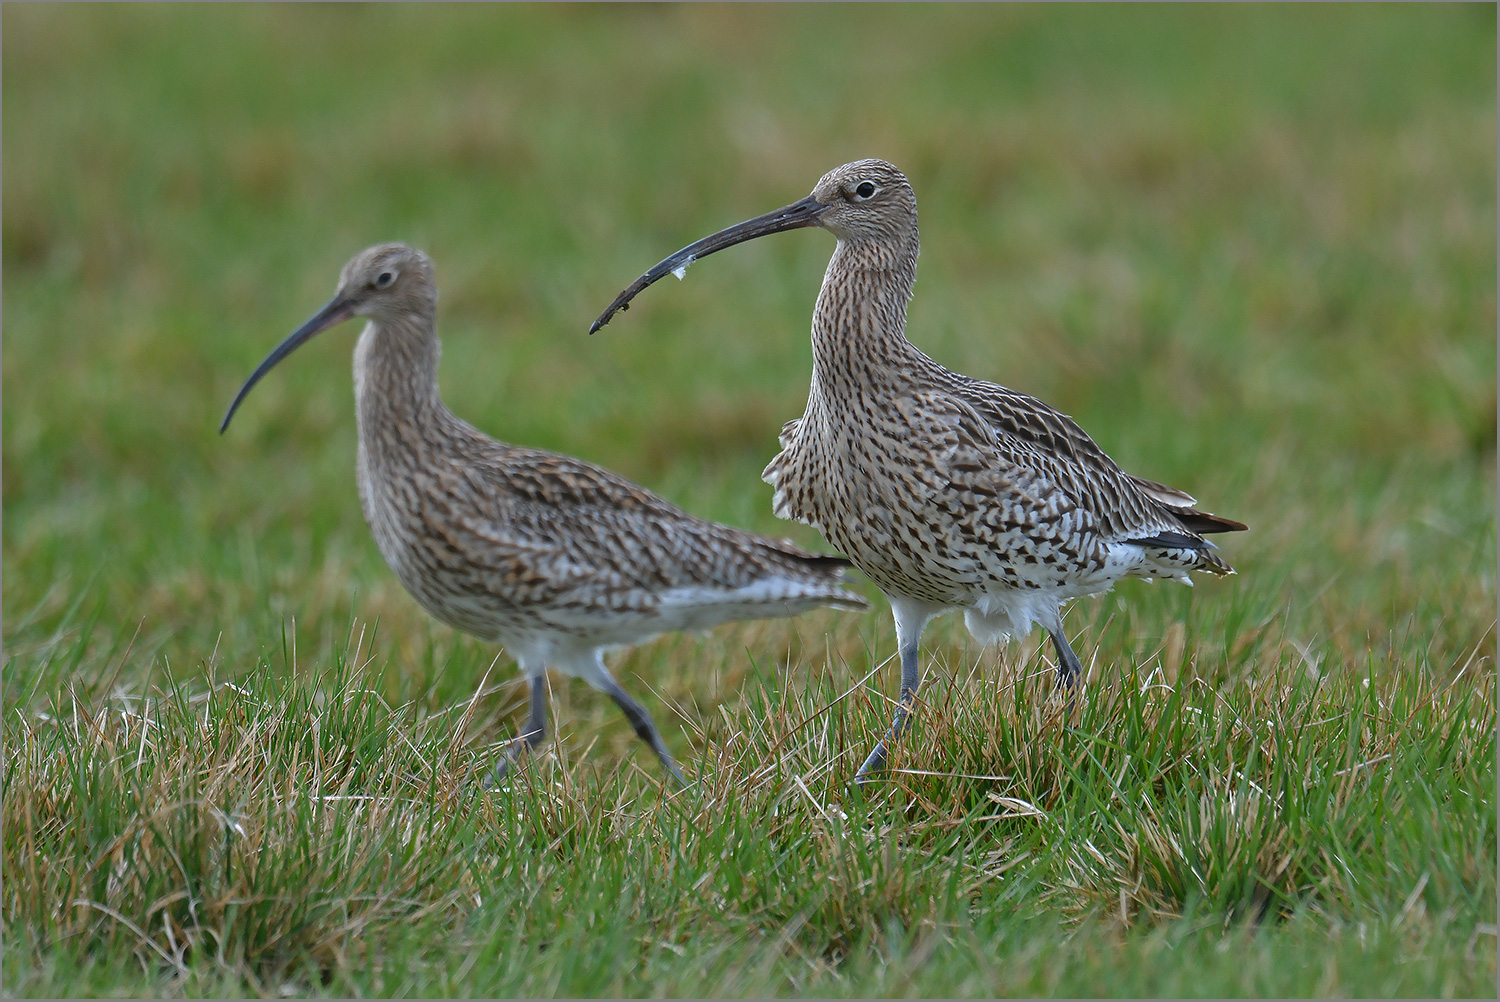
395, 381
859, 324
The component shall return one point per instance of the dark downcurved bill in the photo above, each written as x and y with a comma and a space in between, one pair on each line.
337, 311
791, 217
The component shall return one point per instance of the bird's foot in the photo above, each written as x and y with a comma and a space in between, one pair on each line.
497, 775
671, 765
875, 762
517, 747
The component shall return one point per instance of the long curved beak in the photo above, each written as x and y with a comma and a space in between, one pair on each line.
805, 212
337, 311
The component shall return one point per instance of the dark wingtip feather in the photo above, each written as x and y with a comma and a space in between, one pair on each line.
828, 561
1172, 541
1202, 521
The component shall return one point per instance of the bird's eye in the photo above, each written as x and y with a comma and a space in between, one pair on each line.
384, 279
865, 190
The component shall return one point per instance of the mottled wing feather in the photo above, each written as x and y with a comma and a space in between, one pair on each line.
1169, 496
1031, 420
547, 530
1028, 494
552, 479
1124, 504
993, 487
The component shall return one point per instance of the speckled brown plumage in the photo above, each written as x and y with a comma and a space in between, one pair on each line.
554, 557
949, 492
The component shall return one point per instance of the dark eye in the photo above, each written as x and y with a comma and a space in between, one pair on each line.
865, 190
384, 279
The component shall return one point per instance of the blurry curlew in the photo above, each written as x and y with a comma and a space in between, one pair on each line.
949, 492
553, 557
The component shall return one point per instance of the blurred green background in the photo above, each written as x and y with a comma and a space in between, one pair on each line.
1250, 249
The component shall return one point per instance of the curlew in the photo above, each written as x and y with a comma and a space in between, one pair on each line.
948, 492
553, 557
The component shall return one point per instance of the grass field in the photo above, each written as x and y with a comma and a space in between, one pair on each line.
1251, 249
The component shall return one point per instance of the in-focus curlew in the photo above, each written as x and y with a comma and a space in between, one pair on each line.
551, 556
949, 492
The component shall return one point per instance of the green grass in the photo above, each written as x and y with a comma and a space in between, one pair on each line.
1251, 249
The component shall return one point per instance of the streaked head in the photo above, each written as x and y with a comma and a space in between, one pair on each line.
866, 202
387, 280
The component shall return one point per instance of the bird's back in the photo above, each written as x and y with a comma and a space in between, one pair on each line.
940, 486
500, 540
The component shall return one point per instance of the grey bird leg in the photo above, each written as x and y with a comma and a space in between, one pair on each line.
535, 733
1069, 668
911, 679
644, 727
911, 619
